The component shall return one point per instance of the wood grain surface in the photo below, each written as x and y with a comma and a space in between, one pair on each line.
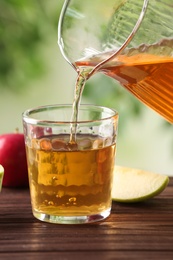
133, 231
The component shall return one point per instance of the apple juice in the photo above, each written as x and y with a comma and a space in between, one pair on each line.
147, 76
70, 181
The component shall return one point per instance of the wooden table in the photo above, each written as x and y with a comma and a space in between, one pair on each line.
135, 231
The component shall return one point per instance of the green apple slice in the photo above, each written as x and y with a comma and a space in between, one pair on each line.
134, 185
1, 175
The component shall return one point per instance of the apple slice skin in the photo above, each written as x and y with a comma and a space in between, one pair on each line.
143, 198
1, 175
13, 159
139, 173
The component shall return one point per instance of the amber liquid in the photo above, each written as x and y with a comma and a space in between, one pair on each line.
148, 77
64, 182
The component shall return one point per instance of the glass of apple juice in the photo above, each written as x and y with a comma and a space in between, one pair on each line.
70, 164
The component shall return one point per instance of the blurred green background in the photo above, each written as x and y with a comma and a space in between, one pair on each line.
33, 72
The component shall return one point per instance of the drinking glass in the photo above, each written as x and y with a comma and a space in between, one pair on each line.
70, 182
128, 40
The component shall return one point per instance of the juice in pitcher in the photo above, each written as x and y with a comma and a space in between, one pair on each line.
149, 77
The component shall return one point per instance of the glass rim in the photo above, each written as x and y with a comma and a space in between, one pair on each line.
26, 115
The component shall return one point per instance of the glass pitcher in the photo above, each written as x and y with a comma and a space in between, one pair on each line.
128, 40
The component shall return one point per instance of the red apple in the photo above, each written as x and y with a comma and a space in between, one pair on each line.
13, 159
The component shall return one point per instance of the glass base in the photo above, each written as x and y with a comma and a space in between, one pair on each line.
72, 219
